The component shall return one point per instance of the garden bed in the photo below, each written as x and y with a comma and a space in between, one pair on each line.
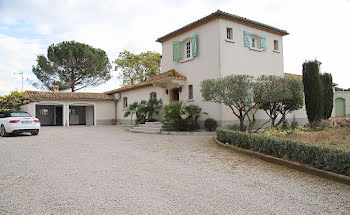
320, 156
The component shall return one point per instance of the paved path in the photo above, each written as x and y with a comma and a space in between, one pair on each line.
105, 170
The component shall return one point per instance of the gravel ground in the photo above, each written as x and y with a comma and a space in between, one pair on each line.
106, 170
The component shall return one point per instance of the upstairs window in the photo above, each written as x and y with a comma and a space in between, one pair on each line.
254, 41
186, 49
229, 34
275, 45
125, 102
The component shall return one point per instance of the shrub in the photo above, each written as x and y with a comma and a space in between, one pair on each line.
182, 117
285, 124
210, 124
235, 127
333, 160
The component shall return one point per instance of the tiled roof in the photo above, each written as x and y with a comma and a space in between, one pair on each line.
41, 95
223, 15
172, 74
289, 75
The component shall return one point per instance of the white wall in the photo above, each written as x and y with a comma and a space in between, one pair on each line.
137, 95
204, 66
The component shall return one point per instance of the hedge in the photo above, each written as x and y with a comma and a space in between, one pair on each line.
333, 160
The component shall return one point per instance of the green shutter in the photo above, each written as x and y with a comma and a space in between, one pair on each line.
194, 45
246, 36
176, 51
263, 43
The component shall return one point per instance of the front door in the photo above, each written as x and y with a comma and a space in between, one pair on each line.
175, 94
340, 107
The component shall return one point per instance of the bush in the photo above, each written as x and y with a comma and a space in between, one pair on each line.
285, 124
235, 127
294, 124
182, 117
210, 124
333, 160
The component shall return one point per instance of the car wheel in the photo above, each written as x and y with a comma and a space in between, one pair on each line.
3, 132
35, 132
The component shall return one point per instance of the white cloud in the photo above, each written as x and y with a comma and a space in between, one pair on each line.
317, 29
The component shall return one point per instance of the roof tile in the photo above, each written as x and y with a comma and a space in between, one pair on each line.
42, 95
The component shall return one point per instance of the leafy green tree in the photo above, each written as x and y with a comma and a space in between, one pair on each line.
136, 68
328, 95
279, 96
233, 91
131, 110
72, 65
313, 91
11, 101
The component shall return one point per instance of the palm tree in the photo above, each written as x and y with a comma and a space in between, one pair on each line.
131, 110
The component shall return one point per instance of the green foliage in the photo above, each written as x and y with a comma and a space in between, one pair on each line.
328, 95
71, 65
285, 124
313, 91
11, 101
341, 89
333, 160
279, 96
145, 111
131, 110
137, 68
210, 124
232, 91
182, 117
294, 124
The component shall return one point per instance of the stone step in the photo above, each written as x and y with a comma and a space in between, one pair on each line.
150, 126
145, 131
147, 128
153, 123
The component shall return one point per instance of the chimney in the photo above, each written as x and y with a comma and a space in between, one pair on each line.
56, 88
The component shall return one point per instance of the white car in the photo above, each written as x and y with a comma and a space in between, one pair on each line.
15, 122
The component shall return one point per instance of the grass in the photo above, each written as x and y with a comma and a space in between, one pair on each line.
336, 138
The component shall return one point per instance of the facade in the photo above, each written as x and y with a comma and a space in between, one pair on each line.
67, 108
215, 46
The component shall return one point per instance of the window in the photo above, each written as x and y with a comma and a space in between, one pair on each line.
229, 35
275, 45
44, 112
190, 91
153, 95
188, 49
255, 41
2, 115
125, 102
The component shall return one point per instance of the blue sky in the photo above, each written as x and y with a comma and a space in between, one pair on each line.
318, 30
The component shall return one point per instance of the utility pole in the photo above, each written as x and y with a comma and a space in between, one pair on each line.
20, 73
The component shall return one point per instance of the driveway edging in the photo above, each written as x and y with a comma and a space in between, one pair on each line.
294, 165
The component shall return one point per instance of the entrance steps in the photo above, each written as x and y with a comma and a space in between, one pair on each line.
149, 128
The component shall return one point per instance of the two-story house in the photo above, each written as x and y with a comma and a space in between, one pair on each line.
214, 46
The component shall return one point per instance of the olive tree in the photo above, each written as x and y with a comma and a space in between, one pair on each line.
234, 91
278, 96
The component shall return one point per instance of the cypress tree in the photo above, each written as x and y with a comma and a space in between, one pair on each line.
313, 91
328, 94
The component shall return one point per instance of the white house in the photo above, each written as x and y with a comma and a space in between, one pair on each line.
214, 46
67, 108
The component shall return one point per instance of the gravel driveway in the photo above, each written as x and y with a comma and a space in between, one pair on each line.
106, 170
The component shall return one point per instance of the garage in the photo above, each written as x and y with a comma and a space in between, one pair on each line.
70, 108
50, 115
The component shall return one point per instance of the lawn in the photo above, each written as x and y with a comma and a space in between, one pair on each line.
336, 138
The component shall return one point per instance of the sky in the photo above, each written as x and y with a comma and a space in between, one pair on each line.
319, 29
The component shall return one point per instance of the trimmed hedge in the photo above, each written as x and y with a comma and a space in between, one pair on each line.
333, 160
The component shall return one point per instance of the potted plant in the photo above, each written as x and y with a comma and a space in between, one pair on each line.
114, 121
